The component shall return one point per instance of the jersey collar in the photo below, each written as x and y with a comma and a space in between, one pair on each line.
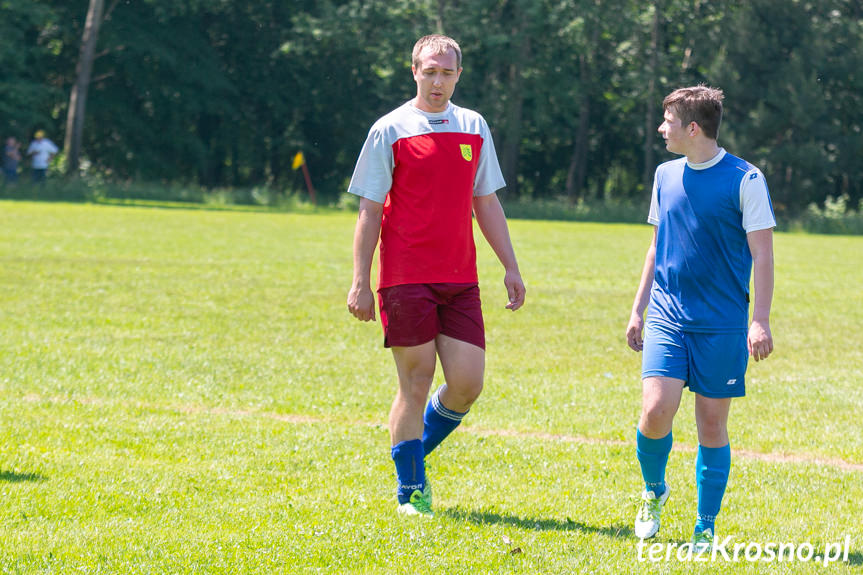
709, 163
431, 115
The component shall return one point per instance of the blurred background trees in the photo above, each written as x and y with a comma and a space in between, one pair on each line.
221, 93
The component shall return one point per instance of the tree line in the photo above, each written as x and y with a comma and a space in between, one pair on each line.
221, 93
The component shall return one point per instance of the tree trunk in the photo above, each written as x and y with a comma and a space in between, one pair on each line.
577, 165
276, 156
512, 131
577, 173
440, 8
78, 97
235, 161
649, 118
511, 145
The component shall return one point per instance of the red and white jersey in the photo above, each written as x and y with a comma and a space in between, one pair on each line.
425, 168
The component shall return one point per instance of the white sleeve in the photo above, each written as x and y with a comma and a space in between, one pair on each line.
52, 148
489, 178
755, 202
653, 213
373, 174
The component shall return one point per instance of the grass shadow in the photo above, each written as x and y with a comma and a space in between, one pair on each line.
15, 477
536, 524
855, 558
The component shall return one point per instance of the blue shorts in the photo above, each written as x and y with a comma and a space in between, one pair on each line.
711, 364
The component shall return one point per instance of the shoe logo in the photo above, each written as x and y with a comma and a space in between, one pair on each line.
466, 151
731, 382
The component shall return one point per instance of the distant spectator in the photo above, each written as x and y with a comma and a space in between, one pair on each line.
42, 150
11, 157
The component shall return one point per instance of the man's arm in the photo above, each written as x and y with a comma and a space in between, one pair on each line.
635, 329
492, 222
760, 340
361, 300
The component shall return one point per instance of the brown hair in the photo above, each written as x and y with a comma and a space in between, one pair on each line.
700, 104
438, 44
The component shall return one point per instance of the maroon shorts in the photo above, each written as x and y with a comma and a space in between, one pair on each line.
413, 314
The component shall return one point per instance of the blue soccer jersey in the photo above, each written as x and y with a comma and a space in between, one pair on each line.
703, 263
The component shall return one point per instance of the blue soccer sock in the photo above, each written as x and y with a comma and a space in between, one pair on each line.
410, 468
439, 421
653, 456
711, 473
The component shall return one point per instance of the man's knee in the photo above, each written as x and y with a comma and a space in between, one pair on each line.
473, 391
711, 417
712, 430
415, 383
415, 367
465, 391
660, 399
657, 419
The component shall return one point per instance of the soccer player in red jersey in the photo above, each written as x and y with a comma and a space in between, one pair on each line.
424, 168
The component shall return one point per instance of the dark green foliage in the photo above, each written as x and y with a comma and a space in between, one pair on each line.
222, 94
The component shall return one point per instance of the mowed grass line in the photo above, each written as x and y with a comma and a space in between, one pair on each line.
139, 490
794, 458
145, 356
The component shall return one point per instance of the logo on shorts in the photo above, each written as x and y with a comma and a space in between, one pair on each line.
466, 151
731, 382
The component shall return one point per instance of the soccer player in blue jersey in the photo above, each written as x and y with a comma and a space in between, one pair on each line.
713, 225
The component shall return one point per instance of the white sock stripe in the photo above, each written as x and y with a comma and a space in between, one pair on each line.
443, 411
446, 413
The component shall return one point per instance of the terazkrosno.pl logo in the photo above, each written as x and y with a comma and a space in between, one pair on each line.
752, 552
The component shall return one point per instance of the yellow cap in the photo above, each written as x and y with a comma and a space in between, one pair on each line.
40, 134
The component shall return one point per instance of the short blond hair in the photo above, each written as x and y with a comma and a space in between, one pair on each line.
438, 44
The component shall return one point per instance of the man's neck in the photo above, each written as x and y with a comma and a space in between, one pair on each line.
703, 152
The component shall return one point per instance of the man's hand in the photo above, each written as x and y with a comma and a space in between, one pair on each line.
634, 332
361, 300
759, 341
361, 303
514, 289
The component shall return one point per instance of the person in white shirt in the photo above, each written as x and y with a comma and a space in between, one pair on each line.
41, 151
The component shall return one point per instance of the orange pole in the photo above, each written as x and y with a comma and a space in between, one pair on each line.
309, 184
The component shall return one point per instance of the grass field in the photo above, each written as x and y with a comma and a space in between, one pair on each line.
183, 391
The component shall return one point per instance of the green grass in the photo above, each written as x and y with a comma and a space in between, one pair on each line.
184, 391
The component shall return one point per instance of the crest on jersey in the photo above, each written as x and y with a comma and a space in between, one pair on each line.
466, 151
